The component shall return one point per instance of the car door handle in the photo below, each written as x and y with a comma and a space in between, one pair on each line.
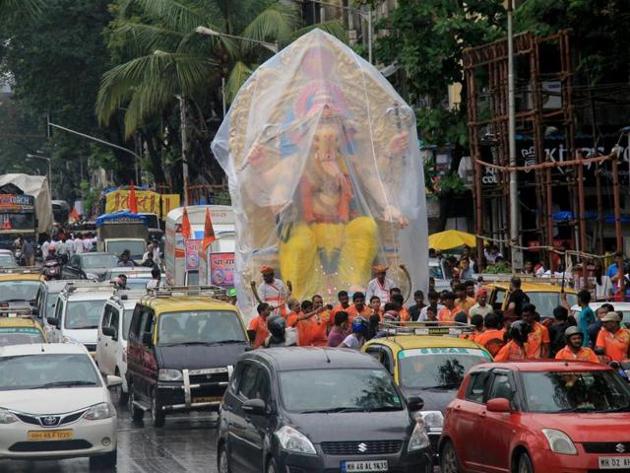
483, 414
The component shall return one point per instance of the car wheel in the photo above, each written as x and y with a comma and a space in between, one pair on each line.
105, 462
223, 461
525, 464
156, 412
272, 467
448, 458
134, 411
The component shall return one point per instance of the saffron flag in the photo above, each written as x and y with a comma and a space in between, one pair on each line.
133, 200
186, 228
208, 232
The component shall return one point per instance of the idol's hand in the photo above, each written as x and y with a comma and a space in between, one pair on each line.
399, 144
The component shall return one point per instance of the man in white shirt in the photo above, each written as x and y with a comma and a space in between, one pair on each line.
78, 244
434, 297
87, 243
45, 247
380, 285
481, 307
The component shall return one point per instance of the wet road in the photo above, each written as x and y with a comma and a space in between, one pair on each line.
186, 443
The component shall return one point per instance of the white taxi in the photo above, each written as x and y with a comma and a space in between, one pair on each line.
55, 404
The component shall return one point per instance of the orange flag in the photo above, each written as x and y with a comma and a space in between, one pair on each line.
74, 215
133, 200
208, 232
186, 228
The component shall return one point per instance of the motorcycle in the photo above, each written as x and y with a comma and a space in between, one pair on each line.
52, 269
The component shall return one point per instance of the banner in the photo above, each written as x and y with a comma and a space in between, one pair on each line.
147, 201
192, 254
222, 269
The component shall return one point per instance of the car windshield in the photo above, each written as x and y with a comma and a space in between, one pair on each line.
545, 302
20, 336
137, 283
7, 261
439, 368
83, 314
89, 261
212, 326
19, 290
436, 272
135, 247
575, 391
338, 390
47, 371
127, 315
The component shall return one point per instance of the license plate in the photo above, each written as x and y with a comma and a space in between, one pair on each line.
37, 435
613, 463
207, 399
364, 466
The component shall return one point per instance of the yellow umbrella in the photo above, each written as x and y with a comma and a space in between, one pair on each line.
450, 239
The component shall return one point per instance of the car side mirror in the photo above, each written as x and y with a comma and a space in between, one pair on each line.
51, 320
113, 381
35, 311
256, 407
499, 404
110, 332
147, 339
415, 403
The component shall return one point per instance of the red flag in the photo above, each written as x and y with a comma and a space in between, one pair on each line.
133, 200
74, 215
186, 228
208, 232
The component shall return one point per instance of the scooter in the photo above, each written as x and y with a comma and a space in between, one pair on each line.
52, 269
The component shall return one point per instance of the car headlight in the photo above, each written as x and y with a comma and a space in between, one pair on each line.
433, 420
559, 442
104, 410
419, 438
170, 375
92, 276
7, 417
293, 440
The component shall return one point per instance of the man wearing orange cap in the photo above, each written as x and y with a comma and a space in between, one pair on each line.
380, 285
273, 291
481, 307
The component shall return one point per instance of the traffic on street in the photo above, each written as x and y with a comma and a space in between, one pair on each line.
314, 236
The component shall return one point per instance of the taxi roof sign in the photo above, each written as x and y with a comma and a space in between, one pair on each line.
432, 328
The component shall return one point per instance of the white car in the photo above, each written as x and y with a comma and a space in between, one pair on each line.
55, 404
622, 308
78, 313
111, 345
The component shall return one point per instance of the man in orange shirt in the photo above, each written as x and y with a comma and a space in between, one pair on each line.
537, 345
515, 348
614, 340
492, 338
320, 322
258, 326
403, 313
344, 304
293, 315
574, 349
448, 312
358, 307
462, 300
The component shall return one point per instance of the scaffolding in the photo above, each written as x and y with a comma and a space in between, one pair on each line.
545, 95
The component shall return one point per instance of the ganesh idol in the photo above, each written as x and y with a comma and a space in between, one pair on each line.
323, 170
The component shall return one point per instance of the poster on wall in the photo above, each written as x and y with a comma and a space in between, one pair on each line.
192, 254
222, 269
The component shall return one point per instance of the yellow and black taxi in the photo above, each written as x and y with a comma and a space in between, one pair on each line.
181, 348
20, 331
20, 289
428, 360
545, 294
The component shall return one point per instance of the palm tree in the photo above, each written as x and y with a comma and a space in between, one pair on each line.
167, 58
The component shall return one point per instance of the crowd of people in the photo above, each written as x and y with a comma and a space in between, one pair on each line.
514, 334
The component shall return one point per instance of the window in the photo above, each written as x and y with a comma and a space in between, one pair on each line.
147, 320
59, 310
499, 297
501, 387
106, 316
382, 355
477, 386
254, 383
134, 329
115, 316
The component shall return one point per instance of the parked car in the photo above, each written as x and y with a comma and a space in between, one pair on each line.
545, 295
428, 366
89, 265
78, 313
547, 416
304, 409
180, 353
55, 404
113, 330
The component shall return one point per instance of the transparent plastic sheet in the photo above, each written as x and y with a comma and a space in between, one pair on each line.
324, 173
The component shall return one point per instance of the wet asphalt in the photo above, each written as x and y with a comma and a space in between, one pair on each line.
186, 443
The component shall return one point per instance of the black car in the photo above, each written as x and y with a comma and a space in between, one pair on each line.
318, 410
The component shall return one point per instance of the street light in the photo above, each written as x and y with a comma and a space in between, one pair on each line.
273, 47
45, 158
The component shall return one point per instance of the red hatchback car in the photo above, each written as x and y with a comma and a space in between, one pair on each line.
542, 417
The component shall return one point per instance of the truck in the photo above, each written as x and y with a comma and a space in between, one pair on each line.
119, 231
25, 208
183, 259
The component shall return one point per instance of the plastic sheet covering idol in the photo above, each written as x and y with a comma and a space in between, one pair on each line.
325, 174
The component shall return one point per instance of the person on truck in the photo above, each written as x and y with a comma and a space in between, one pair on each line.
125, 260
